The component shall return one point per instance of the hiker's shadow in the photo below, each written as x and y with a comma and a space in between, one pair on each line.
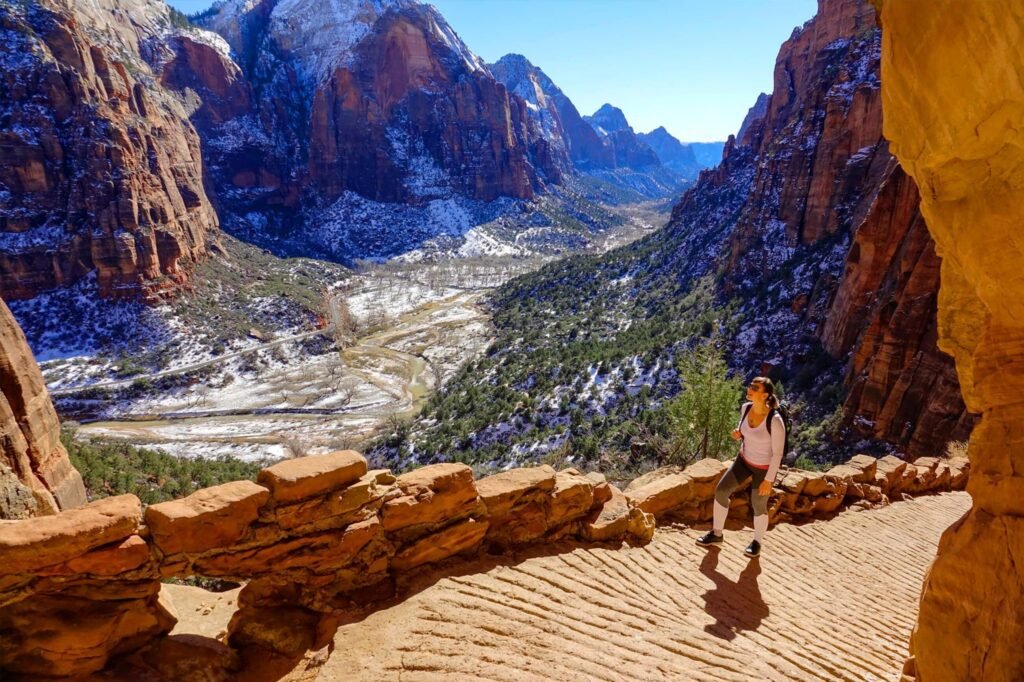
735, 606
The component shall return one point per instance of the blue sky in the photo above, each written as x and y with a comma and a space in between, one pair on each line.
693, 66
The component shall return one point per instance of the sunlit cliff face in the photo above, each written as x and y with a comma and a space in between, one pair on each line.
953, 102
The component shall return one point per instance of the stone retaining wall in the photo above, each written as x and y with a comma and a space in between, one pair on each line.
319, 539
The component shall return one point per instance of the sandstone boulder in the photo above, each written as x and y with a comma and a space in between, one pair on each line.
501, 492
434, 494
705, 474
663, 494
652, 476
288, 631
459, 538
336, 508
60, 634
298, 479
571, 499
610, 521
212, 517
109, 560
191, 658
519, 503
30, 544
892, 469
793, 482
867, 466
319, 552
602, 489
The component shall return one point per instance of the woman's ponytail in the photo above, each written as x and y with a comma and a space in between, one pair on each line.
766, 384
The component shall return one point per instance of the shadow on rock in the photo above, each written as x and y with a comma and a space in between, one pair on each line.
735, 606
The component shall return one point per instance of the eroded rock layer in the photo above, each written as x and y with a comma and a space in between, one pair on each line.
102, 171
953, 91
36, 476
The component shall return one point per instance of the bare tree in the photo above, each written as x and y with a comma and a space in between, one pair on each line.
296, 446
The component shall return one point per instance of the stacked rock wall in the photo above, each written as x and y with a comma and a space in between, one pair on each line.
321, 540
863, 482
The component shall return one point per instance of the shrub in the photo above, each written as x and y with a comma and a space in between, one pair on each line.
703, 414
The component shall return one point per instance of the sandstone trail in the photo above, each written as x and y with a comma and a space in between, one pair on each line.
828, 600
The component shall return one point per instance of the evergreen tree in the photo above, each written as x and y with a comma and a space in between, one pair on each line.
704, 413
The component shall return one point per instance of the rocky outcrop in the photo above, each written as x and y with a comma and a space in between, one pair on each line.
76, 588
102, 172
322, 540
953, 101
379, 98
546, 105
36, 476
754, 114
556, 116
407, 89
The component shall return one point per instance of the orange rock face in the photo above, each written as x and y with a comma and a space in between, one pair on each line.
103, 171
34, 467
901, 386
394, 82
76, 588
663, 494
953, 90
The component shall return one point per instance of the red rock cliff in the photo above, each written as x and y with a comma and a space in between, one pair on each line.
36, 477
102, 171
824, 178
406, 87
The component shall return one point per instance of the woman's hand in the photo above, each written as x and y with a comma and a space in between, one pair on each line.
765, 488
736, 434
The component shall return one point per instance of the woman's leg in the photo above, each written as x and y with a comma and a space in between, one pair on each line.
736, 474
759, 503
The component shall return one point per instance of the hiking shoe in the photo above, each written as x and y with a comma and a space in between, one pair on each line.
709, 538
753, 549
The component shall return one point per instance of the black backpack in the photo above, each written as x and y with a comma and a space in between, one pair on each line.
784, 413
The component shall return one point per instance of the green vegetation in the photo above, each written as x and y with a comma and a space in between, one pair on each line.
179, 19
115, 468
703, 413
541, 378
244, 288
583, 366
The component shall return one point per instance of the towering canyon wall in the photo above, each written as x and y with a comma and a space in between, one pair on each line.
831, 230
102, 171
953, 94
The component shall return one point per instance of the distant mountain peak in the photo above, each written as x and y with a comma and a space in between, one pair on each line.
323, 35
608, 119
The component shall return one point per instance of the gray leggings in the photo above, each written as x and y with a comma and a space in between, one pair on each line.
737, 473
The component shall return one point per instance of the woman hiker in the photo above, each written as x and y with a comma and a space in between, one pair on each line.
760, 456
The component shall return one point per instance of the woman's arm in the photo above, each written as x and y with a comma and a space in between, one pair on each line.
778, 446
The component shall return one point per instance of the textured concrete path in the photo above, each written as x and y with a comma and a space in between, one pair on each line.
831, 600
